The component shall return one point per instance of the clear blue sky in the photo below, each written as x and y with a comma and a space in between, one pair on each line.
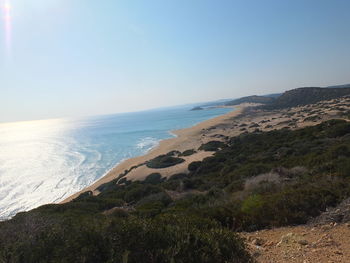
88, 57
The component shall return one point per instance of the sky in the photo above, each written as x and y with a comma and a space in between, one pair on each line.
63, 58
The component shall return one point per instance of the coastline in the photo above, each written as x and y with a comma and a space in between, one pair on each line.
187, 138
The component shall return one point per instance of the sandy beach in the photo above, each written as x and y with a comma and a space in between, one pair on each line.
244, 118
188, 138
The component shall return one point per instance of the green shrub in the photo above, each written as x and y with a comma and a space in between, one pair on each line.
252, 204
235, 186
139, 191
178, 176
192, 167
188, 152
37, 238
164, 161
173, 153
83, 196
173, 185
212, 146
154, 178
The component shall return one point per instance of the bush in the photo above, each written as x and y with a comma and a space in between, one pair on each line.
188, 152
252, 204
175, 241
173, 153
212, 146
154, 178
167, 239
139, 191
173, 185
194, 166
178, 176
164, 161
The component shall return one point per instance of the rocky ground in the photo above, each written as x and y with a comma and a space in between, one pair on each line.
324, 239
301, 244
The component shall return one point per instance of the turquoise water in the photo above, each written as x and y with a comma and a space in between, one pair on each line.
46, 161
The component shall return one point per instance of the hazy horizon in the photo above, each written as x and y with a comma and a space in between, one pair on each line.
60, 58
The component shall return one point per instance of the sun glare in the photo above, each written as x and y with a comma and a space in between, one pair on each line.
7, 6
6, 15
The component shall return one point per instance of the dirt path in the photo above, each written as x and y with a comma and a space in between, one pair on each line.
301, 244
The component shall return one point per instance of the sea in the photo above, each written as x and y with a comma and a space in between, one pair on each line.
46, 161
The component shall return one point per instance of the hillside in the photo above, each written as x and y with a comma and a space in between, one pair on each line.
251, 99
256, 180
304, 96
266, 170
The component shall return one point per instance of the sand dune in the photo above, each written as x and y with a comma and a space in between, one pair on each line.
188, 138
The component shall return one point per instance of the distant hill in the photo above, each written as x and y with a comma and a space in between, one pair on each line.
340, 86
291, 98
221, 102
252, 99
274, 95
231, 102
197, 108
308, 95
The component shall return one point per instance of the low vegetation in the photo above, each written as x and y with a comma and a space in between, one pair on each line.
256, 180
304, 96
164, 161
212, 146
251, 99
188, 152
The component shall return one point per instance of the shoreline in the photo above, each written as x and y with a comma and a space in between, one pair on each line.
186, 138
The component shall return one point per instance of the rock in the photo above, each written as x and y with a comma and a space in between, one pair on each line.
289, 235
269, 244
303, 242
286, 239
326, 227
257, 242
256, 254
339, 214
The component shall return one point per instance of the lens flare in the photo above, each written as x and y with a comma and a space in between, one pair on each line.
6, 15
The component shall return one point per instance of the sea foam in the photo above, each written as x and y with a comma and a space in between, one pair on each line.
46, 161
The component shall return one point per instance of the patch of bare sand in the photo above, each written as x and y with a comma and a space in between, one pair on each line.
189, 138
244, 119
143, 171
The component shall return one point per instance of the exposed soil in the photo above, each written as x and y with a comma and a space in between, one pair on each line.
325, 239
302, 244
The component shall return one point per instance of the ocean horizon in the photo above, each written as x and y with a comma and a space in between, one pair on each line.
46, 161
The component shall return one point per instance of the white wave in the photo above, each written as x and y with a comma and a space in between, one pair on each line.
172, 134
46, 161
147, 143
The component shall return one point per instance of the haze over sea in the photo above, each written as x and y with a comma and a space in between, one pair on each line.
46, 161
